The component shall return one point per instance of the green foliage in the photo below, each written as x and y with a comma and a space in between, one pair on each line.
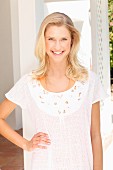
110, 16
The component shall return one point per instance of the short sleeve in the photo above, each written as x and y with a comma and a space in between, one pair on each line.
17, 92
98, 91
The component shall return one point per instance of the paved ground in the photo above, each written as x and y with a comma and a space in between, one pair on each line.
11, 156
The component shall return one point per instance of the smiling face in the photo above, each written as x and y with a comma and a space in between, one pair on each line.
58, 43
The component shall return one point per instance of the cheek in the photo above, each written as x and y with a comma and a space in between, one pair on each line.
48, 45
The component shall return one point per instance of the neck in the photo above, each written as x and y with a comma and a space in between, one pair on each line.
57, 70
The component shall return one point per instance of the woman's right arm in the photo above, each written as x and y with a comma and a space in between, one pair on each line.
38, 141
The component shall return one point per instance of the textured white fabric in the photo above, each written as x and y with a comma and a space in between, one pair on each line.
65, 116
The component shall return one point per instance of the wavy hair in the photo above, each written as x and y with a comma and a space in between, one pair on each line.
74, 69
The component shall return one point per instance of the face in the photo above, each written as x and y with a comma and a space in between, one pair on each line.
58, 43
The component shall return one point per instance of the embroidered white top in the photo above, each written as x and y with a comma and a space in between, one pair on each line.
65, 116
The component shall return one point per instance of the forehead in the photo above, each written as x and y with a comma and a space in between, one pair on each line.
54, 30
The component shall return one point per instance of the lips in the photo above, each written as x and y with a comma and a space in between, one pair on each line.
57, 52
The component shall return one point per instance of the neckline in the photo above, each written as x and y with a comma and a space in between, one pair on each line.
58, 93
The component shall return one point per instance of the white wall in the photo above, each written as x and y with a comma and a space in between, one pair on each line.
6, 55
15, 54
27, 35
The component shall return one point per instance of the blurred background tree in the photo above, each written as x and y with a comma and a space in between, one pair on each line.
110, 16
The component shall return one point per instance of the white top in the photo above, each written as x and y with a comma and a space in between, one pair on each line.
65, 116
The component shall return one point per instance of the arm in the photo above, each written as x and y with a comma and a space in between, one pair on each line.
96, 137
6, 107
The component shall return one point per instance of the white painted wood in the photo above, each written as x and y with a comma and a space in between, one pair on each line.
30, 15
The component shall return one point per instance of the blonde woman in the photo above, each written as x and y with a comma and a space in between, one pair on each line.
62, 100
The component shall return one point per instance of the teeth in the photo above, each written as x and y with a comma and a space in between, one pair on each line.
57, 52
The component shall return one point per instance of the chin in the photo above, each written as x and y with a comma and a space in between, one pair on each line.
58, 58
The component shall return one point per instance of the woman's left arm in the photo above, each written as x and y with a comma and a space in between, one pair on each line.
96, 137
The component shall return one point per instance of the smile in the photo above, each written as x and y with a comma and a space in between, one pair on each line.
57, 52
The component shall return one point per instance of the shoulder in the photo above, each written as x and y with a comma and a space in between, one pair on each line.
23, 80
29, 81
26, 78
93, 79
92, 76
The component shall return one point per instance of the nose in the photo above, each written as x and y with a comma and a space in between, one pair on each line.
57, 45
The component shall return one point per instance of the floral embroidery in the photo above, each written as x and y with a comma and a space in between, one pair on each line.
59, 103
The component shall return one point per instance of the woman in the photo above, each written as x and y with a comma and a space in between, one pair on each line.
62, 100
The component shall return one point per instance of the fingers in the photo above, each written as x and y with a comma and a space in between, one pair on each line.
40, 140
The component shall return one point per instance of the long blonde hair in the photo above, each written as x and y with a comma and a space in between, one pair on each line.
74, 70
